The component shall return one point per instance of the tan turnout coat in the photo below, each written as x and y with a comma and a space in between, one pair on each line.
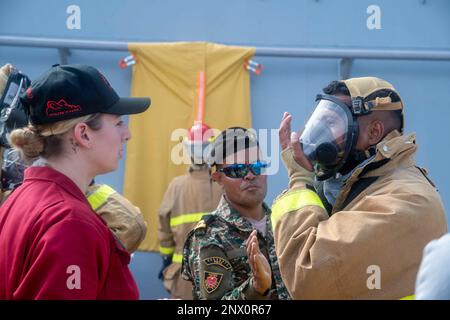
371, 246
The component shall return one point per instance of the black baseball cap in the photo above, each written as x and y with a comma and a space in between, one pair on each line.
70, 91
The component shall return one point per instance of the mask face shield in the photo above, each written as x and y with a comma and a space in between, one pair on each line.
328, 136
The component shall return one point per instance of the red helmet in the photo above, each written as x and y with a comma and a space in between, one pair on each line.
199, 137
200, 132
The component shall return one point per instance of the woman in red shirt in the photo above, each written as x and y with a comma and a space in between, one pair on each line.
53, 246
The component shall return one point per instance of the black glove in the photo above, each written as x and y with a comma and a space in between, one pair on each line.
167, 260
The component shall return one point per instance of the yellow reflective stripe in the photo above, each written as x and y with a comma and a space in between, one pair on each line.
186, 218
166, 250
98, 198
177, 258
411, 297
292, 201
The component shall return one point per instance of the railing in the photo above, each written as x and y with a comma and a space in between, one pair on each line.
345, 56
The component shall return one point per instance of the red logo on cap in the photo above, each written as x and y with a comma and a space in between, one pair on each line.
59, 108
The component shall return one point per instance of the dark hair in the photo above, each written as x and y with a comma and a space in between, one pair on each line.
396, 115
230, 141
382, 94
336, 87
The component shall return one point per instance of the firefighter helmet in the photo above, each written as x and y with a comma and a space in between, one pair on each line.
198, 138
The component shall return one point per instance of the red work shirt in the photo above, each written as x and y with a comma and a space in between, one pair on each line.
53, 246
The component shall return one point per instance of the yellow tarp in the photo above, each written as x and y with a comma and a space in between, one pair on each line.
167, 73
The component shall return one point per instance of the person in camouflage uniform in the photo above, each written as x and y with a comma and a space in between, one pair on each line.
215, 255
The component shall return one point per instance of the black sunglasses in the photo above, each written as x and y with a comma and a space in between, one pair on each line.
237, 171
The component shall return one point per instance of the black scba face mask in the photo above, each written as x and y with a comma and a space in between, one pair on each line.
329, 136
12, 112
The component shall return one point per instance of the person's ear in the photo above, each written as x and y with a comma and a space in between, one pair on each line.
81, 134
375, 132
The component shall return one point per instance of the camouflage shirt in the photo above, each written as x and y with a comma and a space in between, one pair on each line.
215, 257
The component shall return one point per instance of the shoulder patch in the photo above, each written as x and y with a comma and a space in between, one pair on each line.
205, 221
219, 261
200, 225
211, 281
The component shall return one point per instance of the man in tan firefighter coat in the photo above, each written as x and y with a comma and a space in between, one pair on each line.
186, 200
358, 211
